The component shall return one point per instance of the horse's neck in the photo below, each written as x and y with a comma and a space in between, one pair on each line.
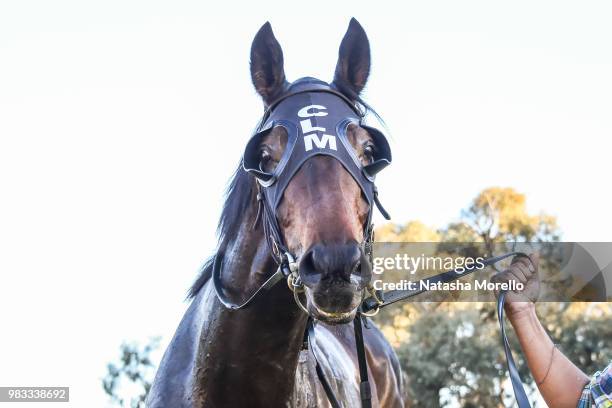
249, 357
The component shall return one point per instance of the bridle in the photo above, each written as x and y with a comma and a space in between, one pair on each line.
316, 117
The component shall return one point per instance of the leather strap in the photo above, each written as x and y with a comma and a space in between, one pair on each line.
326, 386
267, 285
365, 389
380, 207
515, 378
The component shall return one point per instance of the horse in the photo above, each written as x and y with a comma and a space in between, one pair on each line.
224, 356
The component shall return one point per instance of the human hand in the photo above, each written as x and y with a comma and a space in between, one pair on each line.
522, 270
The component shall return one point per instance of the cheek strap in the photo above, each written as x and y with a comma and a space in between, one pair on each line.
380, 207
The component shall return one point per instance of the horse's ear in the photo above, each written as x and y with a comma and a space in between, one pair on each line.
353, 65
267, 71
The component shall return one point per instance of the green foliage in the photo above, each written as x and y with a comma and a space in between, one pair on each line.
453, 354
582, 331
456, 352
128, 381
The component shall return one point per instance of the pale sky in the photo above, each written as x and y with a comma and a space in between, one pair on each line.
121, 122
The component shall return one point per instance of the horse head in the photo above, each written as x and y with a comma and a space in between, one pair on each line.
315, 162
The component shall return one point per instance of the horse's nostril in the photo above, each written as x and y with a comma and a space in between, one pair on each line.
330, 263
308, 270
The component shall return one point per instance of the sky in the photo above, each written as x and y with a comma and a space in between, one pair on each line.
122, 121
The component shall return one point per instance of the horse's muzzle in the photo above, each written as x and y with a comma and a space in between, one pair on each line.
334, 276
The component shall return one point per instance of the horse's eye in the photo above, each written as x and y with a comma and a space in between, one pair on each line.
264, 160
368, 151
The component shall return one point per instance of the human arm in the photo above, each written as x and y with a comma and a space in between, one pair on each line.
560, 382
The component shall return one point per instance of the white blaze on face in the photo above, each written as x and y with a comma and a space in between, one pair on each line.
311, 138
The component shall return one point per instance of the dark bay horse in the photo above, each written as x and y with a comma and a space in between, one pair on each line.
254, 357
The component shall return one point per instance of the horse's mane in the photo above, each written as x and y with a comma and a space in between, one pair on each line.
237, 199
240, 193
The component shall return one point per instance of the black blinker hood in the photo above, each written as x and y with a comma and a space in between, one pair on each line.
316, 118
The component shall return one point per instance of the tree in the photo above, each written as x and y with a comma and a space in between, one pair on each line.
500, 215
128, 381
412, 231
449, 353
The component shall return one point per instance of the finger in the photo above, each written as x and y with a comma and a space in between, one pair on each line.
535, 260
517, 276
511, 274
530, 261
501, 277
522, 260
518, 270
506, 276
524, 270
